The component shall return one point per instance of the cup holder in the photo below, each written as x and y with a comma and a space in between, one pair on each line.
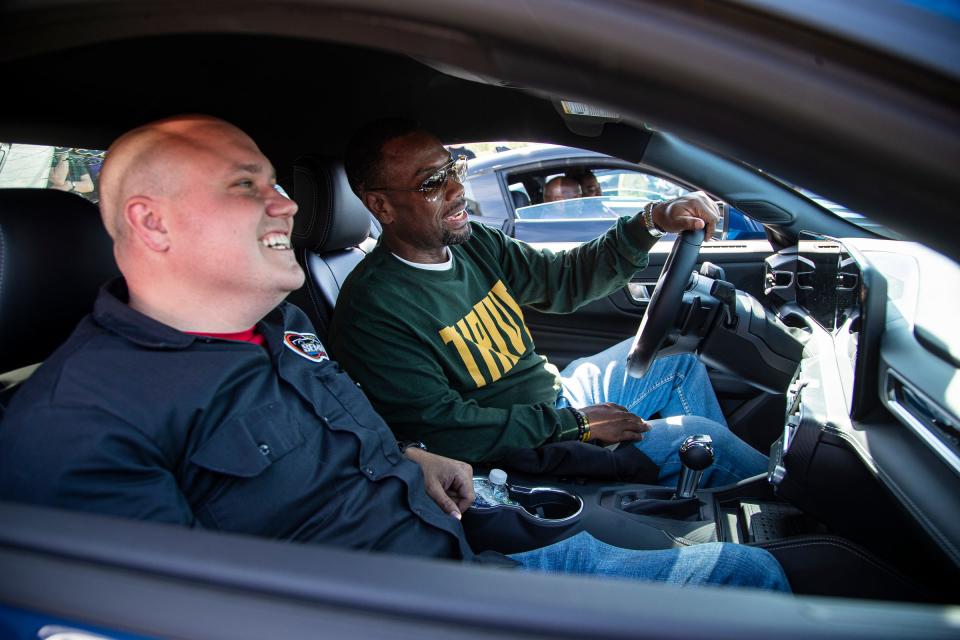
544, 505
541, 516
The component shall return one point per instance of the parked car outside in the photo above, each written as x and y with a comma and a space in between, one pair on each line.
505, 190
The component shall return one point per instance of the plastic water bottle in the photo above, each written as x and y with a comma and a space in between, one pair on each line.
498, 484
492, 490
484, 493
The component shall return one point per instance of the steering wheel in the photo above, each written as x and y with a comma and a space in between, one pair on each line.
665, 302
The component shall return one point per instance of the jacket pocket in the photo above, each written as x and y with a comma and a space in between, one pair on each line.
250, 473
248, 443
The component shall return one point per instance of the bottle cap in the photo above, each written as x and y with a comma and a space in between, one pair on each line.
497, 476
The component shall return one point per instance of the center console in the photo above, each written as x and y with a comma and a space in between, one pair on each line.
536, 513
646, 517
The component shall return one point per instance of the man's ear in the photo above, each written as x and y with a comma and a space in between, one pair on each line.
379, 206
143, 220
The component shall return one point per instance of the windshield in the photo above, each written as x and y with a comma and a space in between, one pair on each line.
840, 210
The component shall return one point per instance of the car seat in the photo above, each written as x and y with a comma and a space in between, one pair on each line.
520, 199
54, 255
331, 235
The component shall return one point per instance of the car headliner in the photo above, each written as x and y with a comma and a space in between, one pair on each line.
858, 124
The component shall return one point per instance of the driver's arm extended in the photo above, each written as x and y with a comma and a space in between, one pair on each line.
690, 212
562, 282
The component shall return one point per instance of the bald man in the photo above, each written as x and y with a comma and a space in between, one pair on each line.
191, 376
193, 395
561, 188
194, 271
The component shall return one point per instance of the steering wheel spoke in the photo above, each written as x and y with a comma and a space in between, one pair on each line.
665, 302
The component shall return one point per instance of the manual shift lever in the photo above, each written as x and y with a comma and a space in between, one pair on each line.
696, 454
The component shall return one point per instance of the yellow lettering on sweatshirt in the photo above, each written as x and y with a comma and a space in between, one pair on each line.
449, 335
492, 332
495, 331
506, 323
483, 342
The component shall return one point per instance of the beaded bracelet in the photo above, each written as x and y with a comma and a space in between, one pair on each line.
583, 424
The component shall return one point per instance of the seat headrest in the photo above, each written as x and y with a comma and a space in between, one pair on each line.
520, 199
54, 255
330, 215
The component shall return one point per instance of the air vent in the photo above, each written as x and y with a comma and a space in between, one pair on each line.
930, 415
725, 245
935, 426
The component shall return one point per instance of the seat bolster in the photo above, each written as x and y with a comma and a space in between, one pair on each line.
324, 281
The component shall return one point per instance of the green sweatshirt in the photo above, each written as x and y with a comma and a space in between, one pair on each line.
446, 357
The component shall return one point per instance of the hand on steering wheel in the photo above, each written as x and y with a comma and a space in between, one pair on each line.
695, 215
691, 212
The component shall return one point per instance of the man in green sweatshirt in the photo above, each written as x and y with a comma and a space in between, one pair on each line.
430, 323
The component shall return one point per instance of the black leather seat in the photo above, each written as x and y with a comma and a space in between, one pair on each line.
331, 235
54, 255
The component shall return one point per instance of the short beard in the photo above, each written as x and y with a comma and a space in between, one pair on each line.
450, 238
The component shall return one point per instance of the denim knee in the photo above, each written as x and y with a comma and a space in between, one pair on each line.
752, 567
688, 361
721, 434
703, 426
734, 459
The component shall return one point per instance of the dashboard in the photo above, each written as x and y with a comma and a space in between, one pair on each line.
871, 442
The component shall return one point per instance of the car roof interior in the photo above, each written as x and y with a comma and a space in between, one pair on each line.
296, 95
347, 87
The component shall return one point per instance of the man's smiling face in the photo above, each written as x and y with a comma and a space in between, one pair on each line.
421, 224
232, 228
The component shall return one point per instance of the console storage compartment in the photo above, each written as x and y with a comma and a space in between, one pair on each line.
542, 516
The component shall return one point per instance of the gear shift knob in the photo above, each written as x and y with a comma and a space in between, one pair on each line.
696, 454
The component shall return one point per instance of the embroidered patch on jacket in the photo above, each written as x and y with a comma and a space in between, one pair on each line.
306, 345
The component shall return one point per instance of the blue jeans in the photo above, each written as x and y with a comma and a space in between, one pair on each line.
712, 563
678, 388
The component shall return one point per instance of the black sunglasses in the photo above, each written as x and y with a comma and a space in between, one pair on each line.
432, 188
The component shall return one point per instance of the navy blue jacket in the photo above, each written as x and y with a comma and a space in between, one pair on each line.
133, 418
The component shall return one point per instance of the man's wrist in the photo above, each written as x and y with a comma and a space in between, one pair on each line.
583, 424
410, 445
646, 216
568, 426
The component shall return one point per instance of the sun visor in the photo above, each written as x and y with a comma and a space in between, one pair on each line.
584, 119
